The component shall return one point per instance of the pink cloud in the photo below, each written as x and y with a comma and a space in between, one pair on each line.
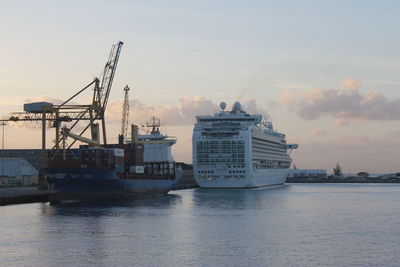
344, 105
350, 84
317, 132
184, 113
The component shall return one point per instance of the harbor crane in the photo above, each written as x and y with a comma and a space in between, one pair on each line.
70, 114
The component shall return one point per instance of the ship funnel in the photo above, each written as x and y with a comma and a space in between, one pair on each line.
134, 133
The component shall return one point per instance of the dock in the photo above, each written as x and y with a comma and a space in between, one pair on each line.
19, 195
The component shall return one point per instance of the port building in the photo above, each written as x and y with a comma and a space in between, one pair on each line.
17, 172
312, 173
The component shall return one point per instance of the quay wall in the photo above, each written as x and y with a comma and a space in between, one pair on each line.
19, 195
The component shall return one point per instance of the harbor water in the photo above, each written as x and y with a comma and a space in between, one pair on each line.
290, 225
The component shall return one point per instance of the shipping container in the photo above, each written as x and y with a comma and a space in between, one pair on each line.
136, 169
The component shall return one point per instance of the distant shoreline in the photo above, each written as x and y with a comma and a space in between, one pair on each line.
342, 180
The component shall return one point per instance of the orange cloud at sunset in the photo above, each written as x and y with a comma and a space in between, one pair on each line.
184, 113
344, 105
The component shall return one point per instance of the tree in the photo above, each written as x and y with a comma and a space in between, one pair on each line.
337, 171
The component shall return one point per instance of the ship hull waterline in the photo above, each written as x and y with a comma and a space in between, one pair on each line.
99, 185
259, 178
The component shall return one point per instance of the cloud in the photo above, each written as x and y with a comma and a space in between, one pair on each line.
181, 114
345, 140
350, 84
317, 132
3, 70
396, 134
251, 107
345, 105
271, 104
287, 98
184, 113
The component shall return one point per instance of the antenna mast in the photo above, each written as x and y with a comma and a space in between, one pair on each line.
125, 113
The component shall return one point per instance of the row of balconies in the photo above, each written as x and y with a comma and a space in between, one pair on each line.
199, 155
220, 142
219, 146
205, 160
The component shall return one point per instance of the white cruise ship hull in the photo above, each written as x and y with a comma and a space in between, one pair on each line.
259, 178
268, 177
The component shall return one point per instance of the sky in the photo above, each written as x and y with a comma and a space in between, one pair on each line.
324, 72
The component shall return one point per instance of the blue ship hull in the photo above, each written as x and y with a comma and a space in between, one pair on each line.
102, 184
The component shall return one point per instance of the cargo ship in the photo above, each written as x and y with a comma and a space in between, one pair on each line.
142, 166
99, 170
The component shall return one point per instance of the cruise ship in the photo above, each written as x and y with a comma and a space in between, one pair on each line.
234, 149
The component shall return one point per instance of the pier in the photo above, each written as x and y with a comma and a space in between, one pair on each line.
19, 195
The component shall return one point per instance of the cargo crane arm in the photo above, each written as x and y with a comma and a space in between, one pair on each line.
66, 133
100, 97
66, 112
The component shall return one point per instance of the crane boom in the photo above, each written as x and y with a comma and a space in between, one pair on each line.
101, 96
108, 74
66, 133
75, 113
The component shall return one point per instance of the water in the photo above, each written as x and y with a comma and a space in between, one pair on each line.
291, 225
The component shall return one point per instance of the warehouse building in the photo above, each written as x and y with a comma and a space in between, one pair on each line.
17, 172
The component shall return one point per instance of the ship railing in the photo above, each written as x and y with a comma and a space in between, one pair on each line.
223, 129
169, 139
221, 134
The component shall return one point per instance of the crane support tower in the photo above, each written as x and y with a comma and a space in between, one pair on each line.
125, 114
70, 114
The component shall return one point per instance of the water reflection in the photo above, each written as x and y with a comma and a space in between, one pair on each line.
110, 208
240, 198
295, 225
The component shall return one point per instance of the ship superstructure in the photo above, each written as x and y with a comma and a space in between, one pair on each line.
234, 149
157, 155
157, 145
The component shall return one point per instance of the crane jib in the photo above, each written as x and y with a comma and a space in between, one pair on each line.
60, 115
